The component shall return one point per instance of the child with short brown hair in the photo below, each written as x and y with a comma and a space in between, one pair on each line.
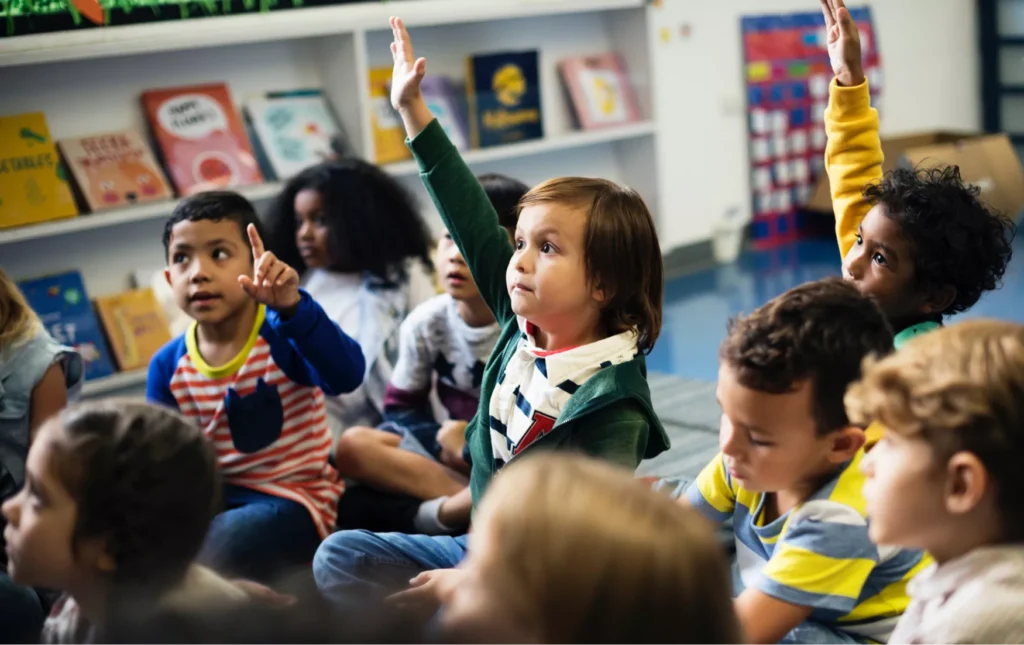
946, 477
568, 549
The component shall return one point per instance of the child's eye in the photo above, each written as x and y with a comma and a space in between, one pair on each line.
178, 258
879, 258
520, 244
448, 236
220, 254
547, 248
860, 240
760, 442
319, 221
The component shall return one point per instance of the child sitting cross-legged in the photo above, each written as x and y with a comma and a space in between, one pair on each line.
410, 466
946, 477
118, 496
789, 473
578, 296
252, 372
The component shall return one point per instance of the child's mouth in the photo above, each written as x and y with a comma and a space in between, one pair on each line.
203, 299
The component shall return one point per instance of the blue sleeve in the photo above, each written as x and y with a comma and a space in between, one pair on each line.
313, 351
161, 371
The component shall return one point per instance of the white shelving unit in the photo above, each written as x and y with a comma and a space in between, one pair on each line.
89, 81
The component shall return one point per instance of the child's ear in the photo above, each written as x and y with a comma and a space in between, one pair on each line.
967, 483
167, 276
93, 552
845, 444
939, 299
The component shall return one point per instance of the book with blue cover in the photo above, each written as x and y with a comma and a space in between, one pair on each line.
293, 131
63, 305
504, 98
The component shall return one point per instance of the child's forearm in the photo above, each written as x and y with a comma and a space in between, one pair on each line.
416, 117
853, 157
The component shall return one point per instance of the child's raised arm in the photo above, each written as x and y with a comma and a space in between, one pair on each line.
853, 156
457, 194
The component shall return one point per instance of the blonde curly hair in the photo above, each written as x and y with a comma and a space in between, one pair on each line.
960, 388
18, 322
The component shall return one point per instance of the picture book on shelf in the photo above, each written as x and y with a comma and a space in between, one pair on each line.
114, 169
201, 138
62, 303
504, 98
599, 91
33, 183
135, 326
293, 130
446, 104
388, 131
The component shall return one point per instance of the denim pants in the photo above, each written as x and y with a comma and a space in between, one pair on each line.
21, 613
354, 567
259, 536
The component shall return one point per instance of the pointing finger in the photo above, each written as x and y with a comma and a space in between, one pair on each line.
255, 241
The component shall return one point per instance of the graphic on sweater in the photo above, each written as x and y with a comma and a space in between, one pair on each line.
264, 411
438, 350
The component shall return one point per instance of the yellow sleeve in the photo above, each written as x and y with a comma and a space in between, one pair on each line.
713, 494
853, 157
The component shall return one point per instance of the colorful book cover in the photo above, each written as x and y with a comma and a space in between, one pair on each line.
114, 169
33, 183
388, 131
201, 138
599, 91
62, 303
135, 326
446, 105
293, 130
504, 97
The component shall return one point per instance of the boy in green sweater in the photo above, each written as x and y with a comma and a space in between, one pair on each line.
579, 299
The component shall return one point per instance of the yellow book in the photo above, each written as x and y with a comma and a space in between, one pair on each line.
33, 184
136, 326
388, 131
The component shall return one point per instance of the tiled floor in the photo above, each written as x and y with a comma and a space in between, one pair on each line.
698, 306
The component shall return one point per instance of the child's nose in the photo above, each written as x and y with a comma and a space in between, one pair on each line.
853, 264
11, 510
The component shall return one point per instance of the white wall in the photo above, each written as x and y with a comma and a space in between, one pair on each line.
932, 80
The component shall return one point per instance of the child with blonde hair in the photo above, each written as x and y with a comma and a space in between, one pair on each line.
946, 477
118, 496
37, 374
578, 295
568, 549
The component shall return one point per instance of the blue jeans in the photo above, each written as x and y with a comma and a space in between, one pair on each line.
353, 567
259, 536
814, 633
21, 613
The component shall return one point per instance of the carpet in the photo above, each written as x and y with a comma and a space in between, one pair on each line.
690, 413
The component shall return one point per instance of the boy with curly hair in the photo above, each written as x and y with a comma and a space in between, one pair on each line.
920, 242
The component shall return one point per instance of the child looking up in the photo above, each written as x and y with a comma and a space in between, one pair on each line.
919, 242
117, 498
363, 253
567, 549
789, 472
252, 371
946, 477
578, 297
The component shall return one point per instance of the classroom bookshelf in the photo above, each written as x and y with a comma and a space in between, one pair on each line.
90, 80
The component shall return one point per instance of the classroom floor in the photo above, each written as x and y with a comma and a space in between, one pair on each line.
698, 306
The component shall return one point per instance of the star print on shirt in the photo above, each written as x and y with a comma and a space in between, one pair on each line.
445, 370
478, 373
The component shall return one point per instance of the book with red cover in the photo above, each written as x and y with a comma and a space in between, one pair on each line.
201, 138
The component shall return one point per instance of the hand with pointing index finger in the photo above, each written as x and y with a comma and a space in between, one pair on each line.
274, 283
844, 51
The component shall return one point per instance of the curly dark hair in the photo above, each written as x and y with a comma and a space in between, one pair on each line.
373, 221
956, 240
215, 205
821, 331
145, 480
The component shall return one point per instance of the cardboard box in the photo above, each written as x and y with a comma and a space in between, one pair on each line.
987, 160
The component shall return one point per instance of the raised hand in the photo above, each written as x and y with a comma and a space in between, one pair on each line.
408, 72
843, 43
275, 284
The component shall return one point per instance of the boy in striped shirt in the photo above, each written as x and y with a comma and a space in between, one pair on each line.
252, 371
789, 472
